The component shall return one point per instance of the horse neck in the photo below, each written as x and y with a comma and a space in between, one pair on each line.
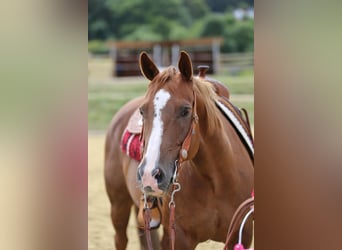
216, 160
215, 151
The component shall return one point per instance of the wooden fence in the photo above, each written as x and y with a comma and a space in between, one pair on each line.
227, 64
233, 63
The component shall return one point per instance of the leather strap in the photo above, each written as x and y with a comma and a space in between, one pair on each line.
184, 152
247, 122
142, 140
147, 219
237, 218
172, 226
154, 204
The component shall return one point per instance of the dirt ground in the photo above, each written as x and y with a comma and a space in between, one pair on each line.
100, 230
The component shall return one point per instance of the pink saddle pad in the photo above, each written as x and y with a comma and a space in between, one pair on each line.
131, 145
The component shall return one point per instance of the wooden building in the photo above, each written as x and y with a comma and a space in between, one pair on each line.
125, 54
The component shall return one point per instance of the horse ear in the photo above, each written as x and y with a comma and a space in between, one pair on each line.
147, 67
185, 65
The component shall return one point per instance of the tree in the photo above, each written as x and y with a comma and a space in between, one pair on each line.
169, 20
213, 26
222, 5
129, 15
196, 8
99, 18
239, 37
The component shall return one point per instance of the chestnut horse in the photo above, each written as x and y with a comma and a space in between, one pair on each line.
216, 174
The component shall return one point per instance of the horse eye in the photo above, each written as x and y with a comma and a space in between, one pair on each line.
184, 112
141, 111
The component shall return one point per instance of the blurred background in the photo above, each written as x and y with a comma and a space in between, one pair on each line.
147, 20
218, 33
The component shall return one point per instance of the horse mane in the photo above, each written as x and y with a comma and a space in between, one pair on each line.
204, 91
206, 94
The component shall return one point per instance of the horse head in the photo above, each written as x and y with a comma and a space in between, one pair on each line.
170, 123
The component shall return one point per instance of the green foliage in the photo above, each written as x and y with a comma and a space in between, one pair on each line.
179, 32
213, 26
130, 15
145, 33
99, 20
162, 26
196, 8
152, 20
223, 5
239, 37
97, 47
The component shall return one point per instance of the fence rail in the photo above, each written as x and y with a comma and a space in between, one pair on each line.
235, 62
227, 64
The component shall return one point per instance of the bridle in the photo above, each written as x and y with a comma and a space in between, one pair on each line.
185, 154
184, 151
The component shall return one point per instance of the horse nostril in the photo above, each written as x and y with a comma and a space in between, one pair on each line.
157, 174
148, 189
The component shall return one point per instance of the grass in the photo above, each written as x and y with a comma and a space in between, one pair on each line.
249, 106
104, 100
105, 97
237, 84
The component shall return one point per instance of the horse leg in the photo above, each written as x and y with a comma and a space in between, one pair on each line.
119, 197
181, 241
120, 216
165, 239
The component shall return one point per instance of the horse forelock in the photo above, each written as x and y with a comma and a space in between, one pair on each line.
164, 76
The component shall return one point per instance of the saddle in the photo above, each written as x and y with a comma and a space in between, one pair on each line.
135, 123
237, 117
240, 122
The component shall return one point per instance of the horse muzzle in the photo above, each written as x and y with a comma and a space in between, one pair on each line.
152, 182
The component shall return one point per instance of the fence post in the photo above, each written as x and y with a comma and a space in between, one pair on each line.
112, 54
157, 57
174, 54
216, 55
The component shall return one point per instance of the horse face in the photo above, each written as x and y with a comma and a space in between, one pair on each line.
167, 115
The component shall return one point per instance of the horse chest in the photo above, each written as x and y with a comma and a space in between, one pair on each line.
200, 214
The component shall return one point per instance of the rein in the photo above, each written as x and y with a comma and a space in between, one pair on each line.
147, 219
241, 214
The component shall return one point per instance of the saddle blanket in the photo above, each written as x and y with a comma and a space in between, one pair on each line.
240, 125
131, 145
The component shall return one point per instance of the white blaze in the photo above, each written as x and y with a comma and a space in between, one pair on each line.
153, 148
